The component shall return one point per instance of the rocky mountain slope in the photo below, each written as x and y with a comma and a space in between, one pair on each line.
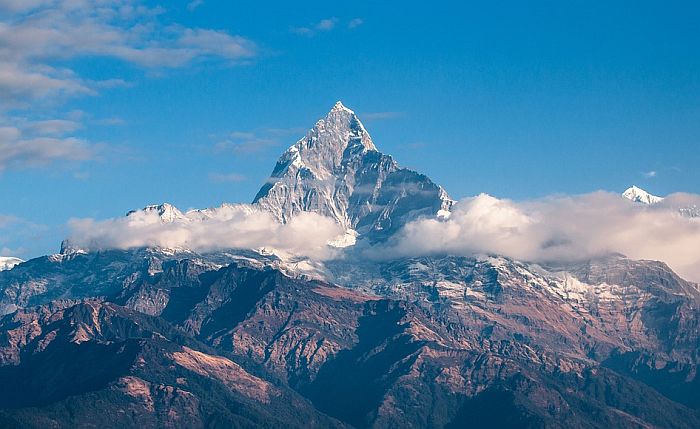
94, 363
152, 337
435, 342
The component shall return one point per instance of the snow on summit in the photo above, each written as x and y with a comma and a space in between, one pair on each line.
336, 170
639, 195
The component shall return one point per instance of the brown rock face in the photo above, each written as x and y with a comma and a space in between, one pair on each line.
426, 342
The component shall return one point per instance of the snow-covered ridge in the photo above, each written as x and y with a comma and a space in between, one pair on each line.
169, 213
7, 262
639, 195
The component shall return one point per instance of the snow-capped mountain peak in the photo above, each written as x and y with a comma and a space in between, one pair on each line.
337, 171
167, 212
639, 195
340, 106
322, 149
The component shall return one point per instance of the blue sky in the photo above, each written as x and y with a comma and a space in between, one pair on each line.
107, 106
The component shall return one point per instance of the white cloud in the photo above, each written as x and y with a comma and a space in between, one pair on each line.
56, 127
560, 229
650, 174
35, 35
194, 4
27, 144
326, 24
379, 116
204, 42
323, 25
38, 38
356, 22
37, 152
555, 229
231, 226
226, 177
21, 5
6, 220
20, 84
303, 31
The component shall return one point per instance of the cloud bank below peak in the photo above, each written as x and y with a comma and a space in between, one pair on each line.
552, 229
239, 226
559, 229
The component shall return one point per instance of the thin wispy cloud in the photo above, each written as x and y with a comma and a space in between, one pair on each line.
356, 22
245, 145
31, 144
33, 38
302, 31
378, 116
6, 220
81, 175
194, 4
113, 121
226, 177
650, 174
39, 38
250, 142
125, 30
55, 126
325, 25
39, 152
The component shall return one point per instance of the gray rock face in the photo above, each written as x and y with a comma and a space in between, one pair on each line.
336, 171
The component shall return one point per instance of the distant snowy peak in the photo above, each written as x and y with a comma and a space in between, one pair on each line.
337, 171
686, 205
7, 262
639, 195
169, 213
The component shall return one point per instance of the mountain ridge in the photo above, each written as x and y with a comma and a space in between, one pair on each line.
161, 337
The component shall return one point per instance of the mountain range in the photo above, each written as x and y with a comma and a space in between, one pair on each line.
152, 336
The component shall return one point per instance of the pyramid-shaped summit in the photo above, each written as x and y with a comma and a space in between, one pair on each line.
337, 171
